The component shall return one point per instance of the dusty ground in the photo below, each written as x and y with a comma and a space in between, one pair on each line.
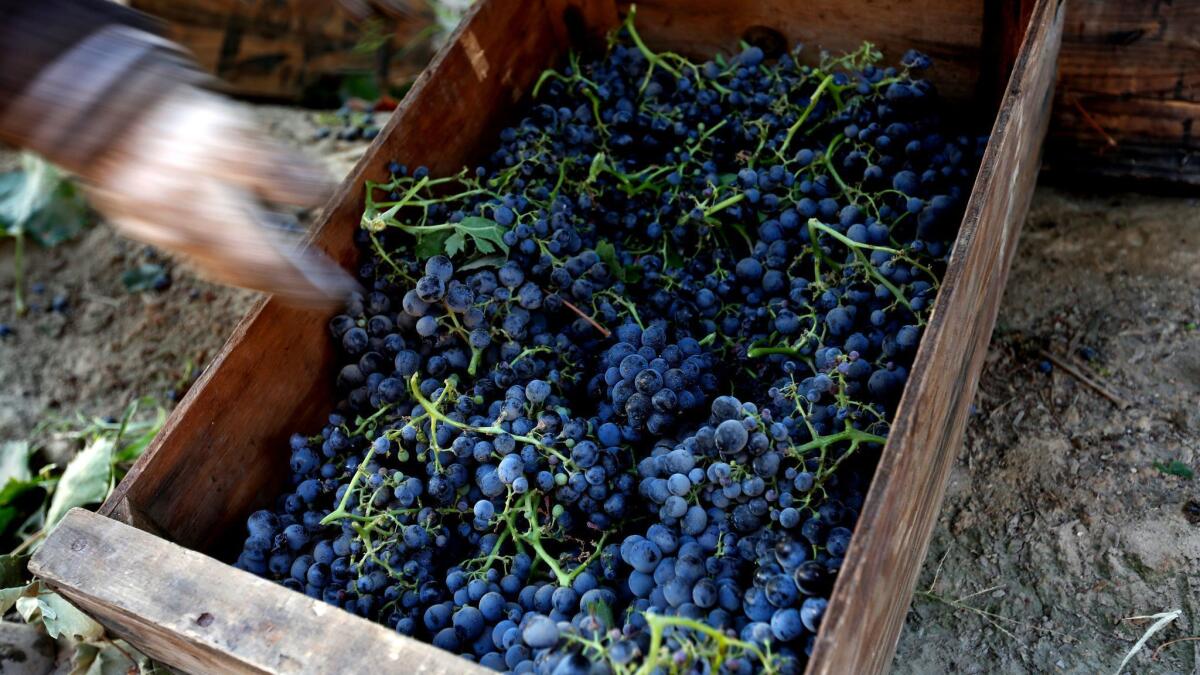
1056, 525
111, 346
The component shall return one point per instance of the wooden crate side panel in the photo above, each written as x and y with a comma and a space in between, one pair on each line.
873, 592
224, 448
950, 31
269, 48
1129, 72
198, 614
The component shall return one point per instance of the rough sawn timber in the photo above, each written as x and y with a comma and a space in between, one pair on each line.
874, 588
196, 613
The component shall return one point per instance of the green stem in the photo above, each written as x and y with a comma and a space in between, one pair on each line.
724, 204
493, 430
653, 58
812, 103
341, 512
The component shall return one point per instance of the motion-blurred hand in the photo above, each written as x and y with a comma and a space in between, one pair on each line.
191, 176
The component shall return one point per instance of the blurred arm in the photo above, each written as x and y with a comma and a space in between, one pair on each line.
90, 86
77, 73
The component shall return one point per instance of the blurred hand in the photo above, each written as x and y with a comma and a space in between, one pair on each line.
191, 175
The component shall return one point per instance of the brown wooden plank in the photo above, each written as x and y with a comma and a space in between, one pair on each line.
872, 594
203, 616
1151, 139
1129, 71
1132, 49
951, 31
273, 48
221, 452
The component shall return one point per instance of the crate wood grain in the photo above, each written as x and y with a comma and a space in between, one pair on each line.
1128, 92
223, 451
189, 610
278, 48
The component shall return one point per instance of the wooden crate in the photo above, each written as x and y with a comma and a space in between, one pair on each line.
222, 452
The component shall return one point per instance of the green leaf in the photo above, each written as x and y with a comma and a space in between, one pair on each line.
485, 261
608, 254
9, 596
431, 244
59, 616
7, 515
12, 570
112, 657
1175, 468
38, 201
85, 481
673, 259
144, 277
14, 461
15, 479
485, 233
455, 244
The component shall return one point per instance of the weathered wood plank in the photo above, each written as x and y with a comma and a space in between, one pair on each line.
220, 453
201, 615
951, 31
1129, 72
874, 589
276, 48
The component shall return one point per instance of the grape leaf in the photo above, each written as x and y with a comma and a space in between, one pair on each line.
673, 259
57, 615
485, 261
86, 480
485, 233
12, 570
7, 514
38, 201
14, 461
431, 244
455, 244
608, 254
596, 167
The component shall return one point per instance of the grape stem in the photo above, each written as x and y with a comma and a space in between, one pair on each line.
592, 322
493, 430
659, 623
812, 103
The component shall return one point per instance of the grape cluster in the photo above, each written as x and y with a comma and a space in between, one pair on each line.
613, 398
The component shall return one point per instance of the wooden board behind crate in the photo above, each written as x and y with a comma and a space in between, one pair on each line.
277, 48
1128, 92
224, 449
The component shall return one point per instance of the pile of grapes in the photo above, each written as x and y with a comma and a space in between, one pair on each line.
614, 397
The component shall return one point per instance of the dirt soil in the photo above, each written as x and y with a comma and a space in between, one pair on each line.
1056, 525
111, 346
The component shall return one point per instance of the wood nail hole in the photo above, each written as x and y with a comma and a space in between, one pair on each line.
770, 40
